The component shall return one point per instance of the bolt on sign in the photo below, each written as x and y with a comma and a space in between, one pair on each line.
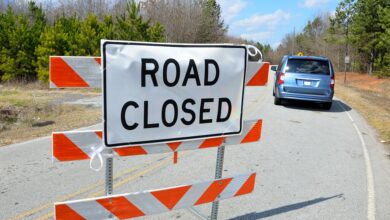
163, 92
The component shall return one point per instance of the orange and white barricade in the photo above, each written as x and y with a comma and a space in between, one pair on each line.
82, 145
86, 72
157, 201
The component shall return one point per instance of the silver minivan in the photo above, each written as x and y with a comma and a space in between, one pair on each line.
307, 78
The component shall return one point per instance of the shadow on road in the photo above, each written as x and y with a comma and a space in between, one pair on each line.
283, 209
312, 106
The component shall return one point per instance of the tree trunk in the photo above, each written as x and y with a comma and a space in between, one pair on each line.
371, 63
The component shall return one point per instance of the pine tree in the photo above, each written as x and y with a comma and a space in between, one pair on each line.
59, 39
20, 35
7, 23
212, 28
88, 38
74, 37
131, 26
368, 28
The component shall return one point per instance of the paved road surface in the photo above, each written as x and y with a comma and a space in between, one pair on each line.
310, 164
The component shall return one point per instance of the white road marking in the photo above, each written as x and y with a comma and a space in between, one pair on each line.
369, 173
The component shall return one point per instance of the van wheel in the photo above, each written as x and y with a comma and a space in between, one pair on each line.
277, 101
327, 105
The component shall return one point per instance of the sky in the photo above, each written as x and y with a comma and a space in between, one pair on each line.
269, 21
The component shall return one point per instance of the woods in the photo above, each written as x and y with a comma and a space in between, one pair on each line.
28, 38
359, 29
31, 32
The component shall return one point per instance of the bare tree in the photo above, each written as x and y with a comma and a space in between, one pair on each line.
181, 19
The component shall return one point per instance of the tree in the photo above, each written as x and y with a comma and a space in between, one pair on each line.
342, 19
74, 37
384, 41
20, 35
7, 23
315, 39
367, 24
181, 19
90, 34
58, 39
212, 27
131, 26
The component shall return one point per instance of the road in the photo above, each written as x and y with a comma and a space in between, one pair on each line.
310, 164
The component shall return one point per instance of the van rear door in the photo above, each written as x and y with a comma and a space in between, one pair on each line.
307, 76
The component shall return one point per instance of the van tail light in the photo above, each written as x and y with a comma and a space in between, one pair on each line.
281, 79
332, 82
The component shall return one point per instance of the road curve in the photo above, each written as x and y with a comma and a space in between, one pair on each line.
311, 164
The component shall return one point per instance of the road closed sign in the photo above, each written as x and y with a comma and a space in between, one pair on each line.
170, 92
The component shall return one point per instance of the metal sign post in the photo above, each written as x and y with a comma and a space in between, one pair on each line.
218, 175
109, 178
346, 62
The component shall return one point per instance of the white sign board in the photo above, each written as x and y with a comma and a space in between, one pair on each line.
346, 59
170, 92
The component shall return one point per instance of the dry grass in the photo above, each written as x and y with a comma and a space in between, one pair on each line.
370, 96
30, 111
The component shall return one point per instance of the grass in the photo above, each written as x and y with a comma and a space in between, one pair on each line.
370, 96
28, 111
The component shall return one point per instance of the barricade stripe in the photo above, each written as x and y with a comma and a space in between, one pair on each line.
170, 197
65, 150
147, 203
64, 75
63, 211
254, 134
82, 71
213, 191
100, 134
98, 60
212, 142
81, 145
248, 186
193, 195
156, 201
234, 186
174, 145
121, 207
130, 151
261, 76
87, 68
90, 210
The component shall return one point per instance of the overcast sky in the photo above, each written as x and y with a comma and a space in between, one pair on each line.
269, 21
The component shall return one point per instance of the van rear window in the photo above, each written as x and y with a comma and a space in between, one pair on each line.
307, 66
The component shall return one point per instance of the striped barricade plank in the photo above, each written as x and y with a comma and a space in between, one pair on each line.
257, 74
82, 145
138, 204
75, 72
85, 72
